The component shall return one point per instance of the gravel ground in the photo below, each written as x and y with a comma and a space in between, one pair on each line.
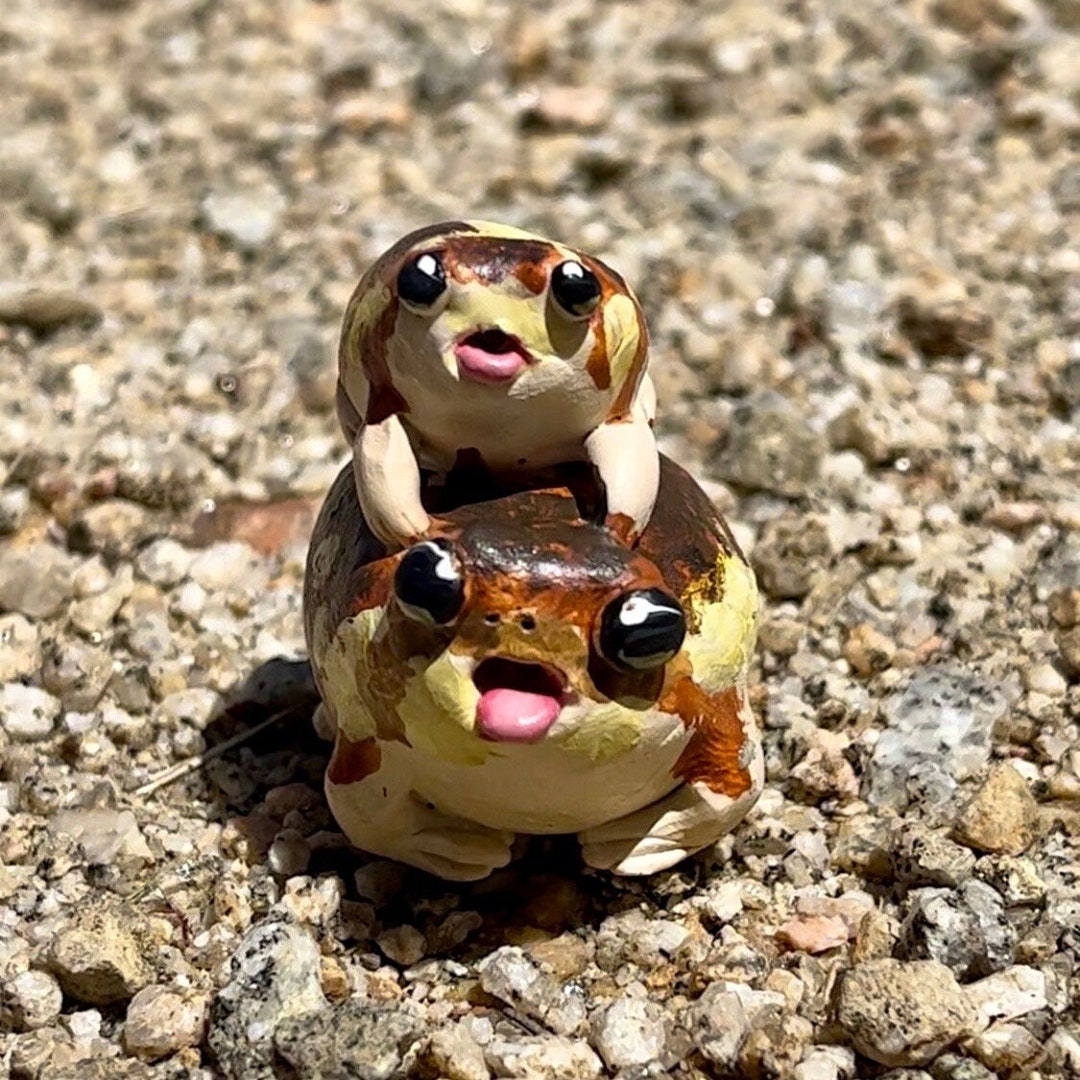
854, 229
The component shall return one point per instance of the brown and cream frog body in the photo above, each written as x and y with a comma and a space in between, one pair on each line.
479, 343
526, 672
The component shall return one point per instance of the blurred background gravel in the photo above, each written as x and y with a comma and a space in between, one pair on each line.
855, 229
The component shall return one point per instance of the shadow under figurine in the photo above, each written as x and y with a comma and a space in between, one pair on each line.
524, 672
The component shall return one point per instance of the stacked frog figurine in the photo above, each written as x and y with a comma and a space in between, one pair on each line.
522, 618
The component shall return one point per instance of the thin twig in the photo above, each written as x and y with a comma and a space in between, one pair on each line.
182, 768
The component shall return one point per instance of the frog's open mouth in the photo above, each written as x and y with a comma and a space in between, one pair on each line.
519, 701
491, 356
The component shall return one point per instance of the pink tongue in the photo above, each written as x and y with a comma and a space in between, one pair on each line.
505, 715
486, 366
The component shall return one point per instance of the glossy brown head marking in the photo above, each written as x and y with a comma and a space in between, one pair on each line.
493, 259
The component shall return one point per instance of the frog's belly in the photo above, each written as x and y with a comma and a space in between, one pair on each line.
550, 788
507, 433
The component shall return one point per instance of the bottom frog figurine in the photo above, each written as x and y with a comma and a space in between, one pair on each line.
526, 673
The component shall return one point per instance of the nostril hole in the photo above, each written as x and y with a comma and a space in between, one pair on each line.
491, 618
528, 623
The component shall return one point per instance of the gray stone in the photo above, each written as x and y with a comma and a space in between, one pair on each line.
903, 1014
14, 504
792, 551
52, 202
630, 1031
403, 945
165, 562
1063, 1049
1007, 994
826, 1063
964, 929
771, 448
938, 733
35, 581
161, 1020
247, 219
103, 834
150, 637
951, 1066
160, 476
228, 566
921, 856
20, 648
76, 673
274, 976
452, 1053
366, 1040
114, 527
27, 713
775, 1044
196, 706
542, 1057
29, 1000
1007, 1049
718, 1024
510, 975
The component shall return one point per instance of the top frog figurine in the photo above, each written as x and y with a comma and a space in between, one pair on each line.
469, 343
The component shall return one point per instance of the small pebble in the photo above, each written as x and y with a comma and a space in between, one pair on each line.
1003, 816
29, 1000
160, 1021
27, 714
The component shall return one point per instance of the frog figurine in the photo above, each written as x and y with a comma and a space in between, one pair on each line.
525, 671
470, 342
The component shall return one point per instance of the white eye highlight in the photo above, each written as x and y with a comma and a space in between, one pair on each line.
428, 264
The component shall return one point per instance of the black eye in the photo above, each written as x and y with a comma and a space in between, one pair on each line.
421, 281
641, 630
428, 583
576, 290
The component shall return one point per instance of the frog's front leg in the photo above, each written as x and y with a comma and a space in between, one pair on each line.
369, 786
388, 483
625, 455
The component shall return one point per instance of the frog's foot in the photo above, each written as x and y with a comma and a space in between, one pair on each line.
452, 848
324, 723
372, 799
664, 833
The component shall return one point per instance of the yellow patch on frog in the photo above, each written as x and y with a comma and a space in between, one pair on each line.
439, 711
703, 591
346, 667
607, 731
369, 306
621, 333
508, 306
719, 648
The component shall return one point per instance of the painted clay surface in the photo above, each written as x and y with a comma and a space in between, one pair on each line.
504, 713
478, 341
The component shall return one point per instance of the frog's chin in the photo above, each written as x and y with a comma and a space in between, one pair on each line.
519, 701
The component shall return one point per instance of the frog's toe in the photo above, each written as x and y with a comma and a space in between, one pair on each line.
646, 855
465, 853
322, 720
